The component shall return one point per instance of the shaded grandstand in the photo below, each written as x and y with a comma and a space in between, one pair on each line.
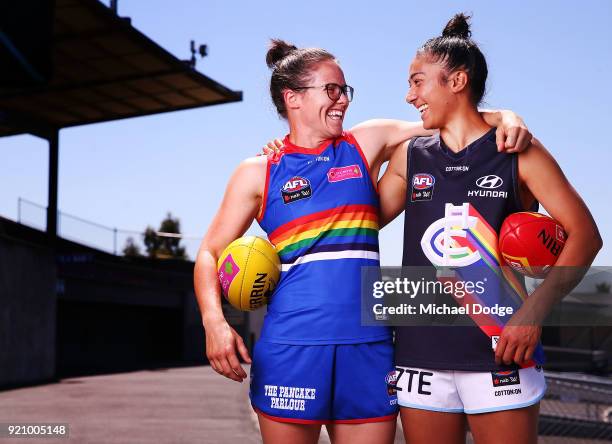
67, 308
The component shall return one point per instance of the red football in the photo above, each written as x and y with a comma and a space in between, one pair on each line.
531, 242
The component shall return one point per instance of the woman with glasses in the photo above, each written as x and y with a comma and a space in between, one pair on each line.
317, 200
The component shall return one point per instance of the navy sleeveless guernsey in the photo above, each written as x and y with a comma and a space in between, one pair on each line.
455, 205
320, 211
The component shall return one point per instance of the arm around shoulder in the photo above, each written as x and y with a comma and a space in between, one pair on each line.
379, 138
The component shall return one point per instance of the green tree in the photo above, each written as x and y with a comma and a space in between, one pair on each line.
165, 247
602, 287
131, 249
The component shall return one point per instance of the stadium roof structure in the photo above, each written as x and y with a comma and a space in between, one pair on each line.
104, 69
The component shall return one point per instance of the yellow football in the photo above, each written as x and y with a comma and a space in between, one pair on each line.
248, 269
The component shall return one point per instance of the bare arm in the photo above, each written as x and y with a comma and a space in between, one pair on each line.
393, 185
512, 135
540, 173
240, 205
379, 138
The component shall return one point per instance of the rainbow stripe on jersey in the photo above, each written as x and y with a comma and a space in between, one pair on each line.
349, 231
320, 211
480, 243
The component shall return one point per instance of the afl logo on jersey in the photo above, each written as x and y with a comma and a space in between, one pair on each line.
422, 187
391, 380
296, 188
423, 181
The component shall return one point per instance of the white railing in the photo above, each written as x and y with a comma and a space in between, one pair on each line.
110, 239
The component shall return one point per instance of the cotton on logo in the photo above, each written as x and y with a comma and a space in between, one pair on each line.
438, 243
490, 182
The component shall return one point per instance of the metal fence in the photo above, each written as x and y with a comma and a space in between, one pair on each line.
110, 239
577, 405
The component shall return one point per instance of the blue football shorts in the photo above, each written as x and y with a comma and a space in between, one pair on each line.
322, 384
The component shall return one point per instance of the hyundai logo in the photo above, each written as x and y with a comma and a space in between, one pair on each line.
489, 182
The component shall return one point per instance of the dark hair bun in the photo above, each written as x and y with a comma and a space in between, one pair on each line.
458, 26
279, 49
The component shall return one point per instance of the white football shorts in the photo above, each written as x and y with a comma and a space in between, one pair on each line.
469, 392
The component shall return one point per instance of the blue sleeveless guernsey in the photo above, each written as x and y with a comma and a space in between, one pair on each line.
320, 211
455, 205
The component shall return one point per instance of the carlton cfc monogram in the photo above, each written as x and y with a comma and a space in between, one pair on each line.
439, 242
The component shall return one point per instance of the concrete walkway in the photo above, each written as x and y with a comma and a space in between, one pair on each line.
182, 405
179, 405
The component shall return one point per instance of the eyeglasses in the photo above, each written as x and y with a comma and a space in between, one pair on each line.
333, 90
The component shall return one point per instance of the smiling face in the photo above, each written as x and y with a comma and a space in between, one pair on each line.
430, 92
313, 107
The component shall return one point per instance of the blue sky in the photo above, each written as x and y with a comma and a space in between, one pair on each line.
549, 61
